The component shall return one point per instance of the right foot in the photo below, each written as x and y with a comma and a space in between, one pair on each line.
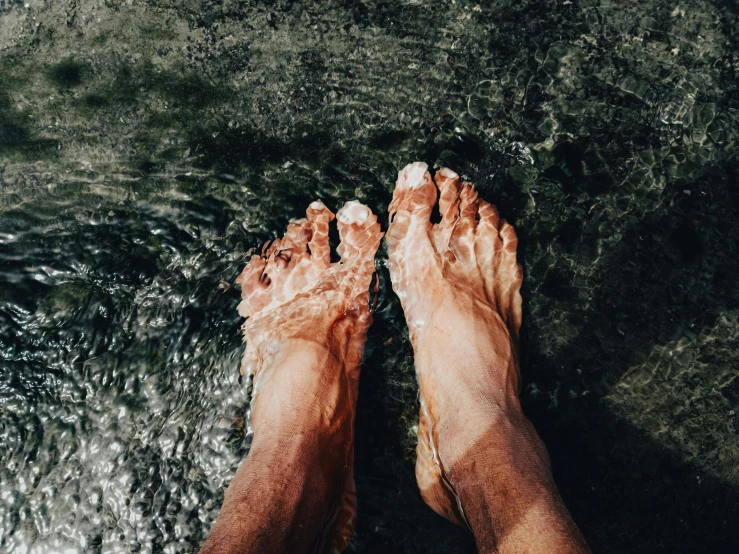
458, 283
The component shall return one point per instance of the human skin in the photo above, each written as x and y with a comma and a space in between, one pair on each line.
479, 460
305, 334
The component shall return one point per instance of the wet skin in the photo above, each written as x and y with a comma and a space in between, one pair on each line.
479, 460
305, 334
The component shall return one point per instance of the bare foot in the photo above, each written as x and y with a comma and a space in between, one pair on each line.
305, 332
293, 294
458, 282
479, 460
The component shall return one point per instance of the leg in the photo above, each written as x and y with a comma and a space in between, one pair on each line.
305, 334
479, 459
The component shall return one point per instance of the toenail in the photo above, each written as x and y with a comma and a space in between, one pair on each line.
415, 175
353, 212
448, 173
317, 205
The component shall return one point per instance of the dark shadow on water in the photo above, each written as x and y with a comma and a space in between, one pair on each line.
15, 134
627, 492
67, 73
630, 493
393, 518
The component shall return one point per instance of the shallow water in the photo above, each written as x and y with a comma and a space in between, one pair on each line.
145, 147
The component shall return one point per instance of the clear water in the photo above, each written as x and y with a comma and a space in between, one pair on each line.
145, 147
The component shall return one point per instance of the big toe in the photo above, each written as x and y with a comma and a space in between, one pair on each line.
359, 232
414, 189
413, 200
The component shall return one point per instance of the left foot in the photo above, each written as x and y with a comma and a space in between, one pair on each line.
305, 331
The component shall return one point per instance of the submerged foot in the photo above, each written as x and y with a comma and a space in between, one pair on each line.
305, 332
458, 282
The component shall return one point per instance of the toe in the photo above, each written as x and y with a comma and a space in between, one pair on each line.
298, 234
292, 248
288, 263
507, 254
462, 240
414, 191
508, 235
319, 217
487, 242
359, 232
252, 286
509, 276
488, 213
251, 277
270, 247
360, 236
413, 199
468, 203
449, 185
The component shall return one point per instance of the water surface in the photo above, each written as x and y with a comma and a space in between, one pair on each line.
145, 147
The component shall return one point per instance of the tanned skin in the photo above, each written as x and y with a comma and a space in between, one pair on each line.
480, 462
